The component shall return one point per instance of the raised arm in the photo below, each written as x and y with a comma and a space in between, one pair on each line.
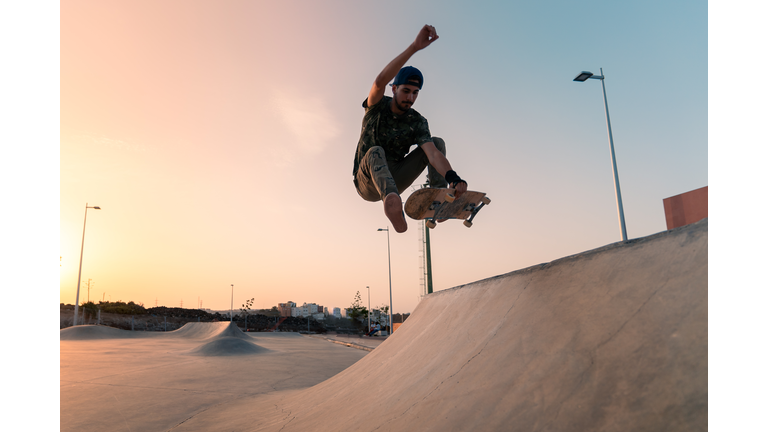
426, 36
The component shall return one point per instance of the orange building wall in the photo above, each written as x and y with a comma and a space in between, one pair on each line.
686, 208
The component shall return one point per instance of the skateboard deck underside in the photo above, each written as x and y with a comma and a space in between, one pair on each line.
423, 203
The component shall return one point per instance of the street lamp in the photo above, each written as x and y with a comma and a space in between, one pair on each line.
389, 258
80, 270
581, 78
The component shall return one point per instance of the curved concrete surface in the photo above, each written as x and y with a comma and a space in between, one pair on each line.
202, 330
199, 330
613, 339
227, 346
189, 330
93, 332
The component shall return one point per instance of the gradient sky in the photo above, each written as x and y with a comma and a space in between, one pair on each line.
218, 139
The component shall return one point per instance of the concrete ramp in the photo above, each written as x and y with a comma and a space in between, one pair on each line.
91, 332
227, 346
198, 330
613, 339
218, 338
206, 330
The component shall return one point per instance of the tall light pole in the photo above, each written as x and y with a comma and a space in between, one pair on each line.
427, 253
232, 303
80, 270
389, 258
581, 78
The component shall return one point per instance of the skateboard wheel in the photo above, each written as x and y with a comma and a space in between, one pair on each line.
449, 198
468, 224
486, 200
431, 224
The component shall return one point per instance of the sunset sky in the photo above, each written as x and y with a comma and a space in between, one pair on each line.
218, 139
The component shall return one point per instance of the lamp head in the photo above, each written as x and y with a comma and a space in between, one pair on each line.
583, 76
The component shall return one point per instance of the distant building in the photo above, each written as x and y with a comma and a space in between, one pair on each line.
337, 312
305, 310
286, 309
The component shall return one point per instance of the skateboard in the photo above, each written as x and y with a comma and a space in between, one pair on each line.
433, 204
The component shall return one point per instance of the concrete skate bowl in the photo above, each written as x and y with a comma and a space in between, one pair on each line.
614, 339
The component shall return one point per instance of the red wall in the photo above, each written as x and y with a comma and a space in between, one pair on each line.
686, 208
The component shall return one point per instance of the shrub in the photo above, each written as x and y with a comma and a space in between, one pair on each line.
119, 307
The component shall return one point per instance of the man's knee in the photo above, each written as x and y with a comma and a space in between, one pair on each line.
375, 160
439, 144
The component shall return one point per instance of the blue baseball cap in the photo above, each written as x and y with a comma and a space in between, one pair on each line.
409, 75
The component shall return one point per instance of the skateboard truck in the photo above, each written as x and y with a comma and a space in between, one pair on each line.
474, 210
431, 222
436, 206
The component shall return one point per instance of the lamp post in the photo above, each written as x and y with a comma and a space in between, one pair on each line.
581, 78
232, 303
80, 270
389, 258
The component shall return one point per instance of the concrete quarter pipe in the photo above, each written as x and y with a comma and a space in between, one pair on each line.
613, 339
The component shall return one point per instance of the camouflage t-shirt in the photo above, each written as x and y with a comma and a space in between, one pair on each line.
395, 133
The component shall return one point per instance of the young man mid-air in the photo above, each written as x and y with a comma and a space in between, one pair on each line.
383, 166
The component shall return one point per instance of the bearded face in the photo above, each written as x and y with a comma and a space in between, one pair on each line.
404, 96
